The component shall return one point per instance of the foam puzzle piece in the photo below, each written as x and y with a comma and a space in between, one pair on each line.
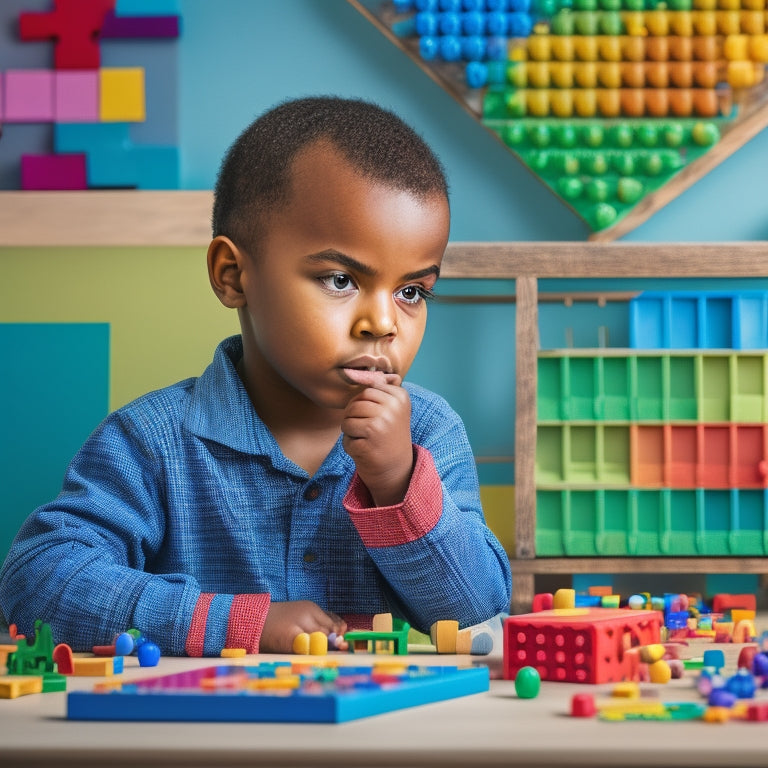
74, 26
28, 95
76, 96
123, 96
85, 137
157, 167
147, 8
277, 692
115, 26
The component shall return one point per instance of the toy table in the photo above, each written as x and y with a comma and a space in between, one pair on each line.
485, 729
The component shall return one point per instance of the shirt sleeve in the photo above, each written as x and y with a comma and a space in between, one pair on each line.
434, 549
80, 563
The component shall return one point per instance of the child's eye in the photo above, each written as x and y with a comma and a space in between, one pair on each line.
337, 282
413, 294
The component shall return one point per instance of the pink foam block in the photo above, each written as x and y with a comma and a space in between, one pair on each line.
28, 96
76, 98
41, 172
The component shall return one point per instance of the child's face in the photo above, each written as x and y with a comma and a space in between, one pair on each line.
338, 282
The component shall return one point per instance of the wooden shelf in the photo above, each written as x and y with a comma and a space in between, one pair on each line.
752, 118
526, 263
105, 218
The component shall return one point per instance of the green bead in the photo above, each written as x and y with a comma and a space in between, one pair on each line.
605, 215
629, 190
569, 187
527, 683
705, 134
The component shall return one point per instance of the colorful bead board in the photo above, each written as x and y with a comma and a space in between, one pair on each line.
277, 692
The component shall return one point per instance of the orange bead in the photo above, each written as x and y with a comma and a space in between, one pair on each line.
657, 102
705, 102
657, 49
632, 74
632, 102
657, 74
680, 48
681, 74
680, 101
609, 102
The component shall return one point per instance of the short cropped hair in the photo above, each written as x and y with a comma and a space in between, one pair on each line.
255, 175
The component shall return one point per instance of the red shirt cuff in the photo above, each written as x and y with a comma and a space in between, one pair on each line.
247, 615
400, 523
246, 620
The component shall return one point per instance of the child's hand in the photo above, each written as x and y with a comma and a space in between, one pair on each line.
286, 620
377, 435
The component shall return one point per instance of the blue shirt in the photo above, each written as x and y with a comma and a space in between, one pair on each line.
185, 493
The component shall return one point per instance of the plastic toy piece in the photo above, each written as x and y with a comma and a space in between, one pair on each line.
139, 26
584, 645
148, 654
232, 653
62, 656
123, 96
28, 96
323, 694
722, 603
301, 644
50, 172
372, 642
443, 634
74, 27
13, 686
527, 683
76, 96
583, 705
95, 667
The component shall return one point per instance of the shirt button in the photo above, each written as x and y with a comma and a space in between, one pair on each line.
312, 492
310, 557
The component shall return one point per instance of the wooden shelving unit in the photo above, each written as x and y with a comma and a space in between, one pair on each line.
752, 118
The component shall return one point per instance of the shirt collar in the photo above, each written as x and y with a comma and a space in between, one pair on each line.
220, 410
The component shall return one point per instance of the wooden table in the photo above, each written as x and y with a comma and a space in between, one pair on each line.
494, 728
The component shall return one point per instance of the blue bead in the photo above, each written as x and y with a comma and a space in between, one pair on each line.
428, 48
149, 654
476, 74
450, 48
473, 48
426, 23
496, 49
519, 24
496, 23
720, 697
496, 5
449, 24
473, 5
124, 644
453, 6
473, 23
426, 5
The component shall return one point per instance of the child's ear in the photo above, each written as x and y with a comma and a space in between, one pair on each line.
224, 269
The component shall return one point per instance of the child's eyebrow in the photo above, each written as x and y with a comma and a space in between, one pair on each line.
350, 263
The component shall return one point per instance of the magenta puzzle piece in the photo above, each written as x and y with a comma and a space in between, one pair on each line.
48, 172
76, 97
28, 96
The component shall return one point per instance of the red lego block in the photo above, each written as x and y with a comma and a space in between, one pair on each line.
723, 603
579, 645
74, 25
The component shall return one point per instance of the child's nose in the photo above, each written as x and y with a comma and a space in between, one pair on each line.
377, 318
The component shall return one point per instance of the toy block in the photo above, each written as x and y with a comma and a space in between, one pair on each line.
111, 169
122, 95
98, 666
372, 641
443, 634
74, 26
47, 172
722, 603
564, 598
301, 643
318, 644
88, 137
583, 645
464, 641
115, 26
62, 656
13, 686
147, 8
76, 96
232, 653
28, 96
382, 622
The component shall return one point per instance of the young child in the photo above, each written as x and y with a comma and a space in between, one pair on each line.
298, 484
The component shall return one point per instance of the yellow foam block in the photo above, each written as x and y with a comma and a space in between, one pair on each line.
13, 686
122, 95
232, 653
95, 667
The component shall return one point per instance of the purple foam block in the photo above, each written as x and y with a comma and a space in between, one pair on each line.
139, 26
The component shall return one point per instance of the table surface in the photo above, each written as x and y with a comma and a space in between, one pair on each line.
493, 728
